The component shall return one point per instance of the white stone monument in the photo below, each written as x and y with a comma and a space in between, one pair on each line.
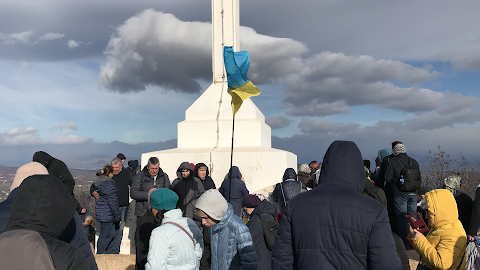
206, 134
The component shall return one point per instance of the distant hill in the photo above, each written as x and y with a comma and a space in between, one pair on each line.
82, 177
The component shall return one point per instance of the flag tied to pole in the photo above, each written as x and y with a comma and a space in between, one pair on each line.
239, 87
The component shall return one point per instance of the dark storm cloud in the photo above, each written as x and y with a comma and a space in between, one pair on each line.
277, 122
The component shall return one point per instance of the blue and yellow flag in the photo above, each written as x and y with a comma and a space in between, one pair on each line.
239, 87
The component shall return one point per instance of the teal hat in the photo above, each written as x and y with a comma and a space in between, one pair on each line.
163, 199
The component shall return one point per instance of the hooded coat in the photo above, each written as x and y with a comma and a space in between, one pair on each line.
106, 206
335, 226
288, 189
231, 243
186, 188
239, 190
142, 183
74, 233
208, 181
171, 248
383, 157
132, 167
379, 195
445, 245
41, 210
265, 211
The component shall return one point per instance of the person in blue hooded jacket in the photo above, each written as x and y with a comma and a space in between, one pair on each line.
335, 226
107, 211
288, 189
383, 157
239, 190
232, 247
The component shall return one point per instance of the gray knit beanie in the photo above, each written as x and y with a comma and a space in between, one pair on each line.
399, 149
304, 168
213, 204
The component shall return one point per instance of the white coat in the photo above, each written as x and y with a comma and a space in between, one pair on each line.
171, 247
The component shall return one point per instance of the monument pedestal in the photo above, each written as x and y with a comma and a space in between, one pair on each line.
260, 166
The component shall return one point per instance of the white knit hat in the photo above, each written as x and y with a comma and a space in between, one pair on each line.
399, 148
27, 170
213, 204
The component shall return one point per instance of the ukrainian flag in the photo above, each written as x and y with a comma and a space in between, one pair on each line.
239, 87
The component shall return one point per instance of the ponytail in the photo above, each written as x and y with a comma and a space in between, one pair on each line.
108, 169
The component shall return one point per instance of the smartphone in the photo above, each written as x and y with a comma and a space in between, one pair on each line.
416, 221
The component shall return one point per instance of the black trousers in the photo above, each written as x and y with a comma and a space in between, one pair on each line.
145, 226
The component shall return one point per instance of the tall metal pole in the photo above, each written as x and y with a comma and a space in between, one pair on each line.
231, 160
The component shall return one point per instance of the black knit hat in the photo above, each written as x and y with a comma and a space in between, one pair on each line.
250, 201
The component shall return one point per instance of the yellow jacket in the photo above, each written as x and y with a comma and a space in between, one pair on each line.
445, 244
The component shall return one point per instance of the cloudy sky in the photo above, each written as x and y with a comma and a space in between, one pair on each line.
83, 74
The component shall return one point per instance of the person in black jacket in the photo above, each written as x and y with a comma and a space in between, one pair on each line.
133, 167
123, 180
258, 211
237, 192
288, 189
379, 195
202, 173
41, 210
404, 203
334, 226
149, 179
186, 185
474, 216
74, 234
464, 203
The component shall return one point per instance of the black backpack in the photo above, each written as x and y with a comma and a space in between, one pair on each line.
270, 228
411, 176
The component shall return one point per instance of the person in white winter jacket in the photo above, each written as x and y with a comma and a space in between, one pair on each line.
178, 242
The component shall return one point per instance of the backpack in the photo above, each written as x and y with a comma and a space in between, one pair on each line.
411, 176
270, 228
473, 259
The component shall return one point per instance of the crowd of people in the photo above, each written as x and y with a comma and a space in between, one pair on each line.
337, 214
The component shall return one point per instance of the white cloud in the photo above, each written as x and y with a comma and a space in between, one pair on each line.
335, 81
463, 56
155, 48
51, 36
64, 126
277, 122
12, 39
72, 44
29, 136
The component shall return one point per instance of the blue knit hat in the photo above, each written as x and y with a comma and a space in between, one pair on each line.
163, 199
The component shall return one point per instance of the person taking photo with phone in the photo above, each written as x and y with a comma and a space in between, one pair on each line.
445, 245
